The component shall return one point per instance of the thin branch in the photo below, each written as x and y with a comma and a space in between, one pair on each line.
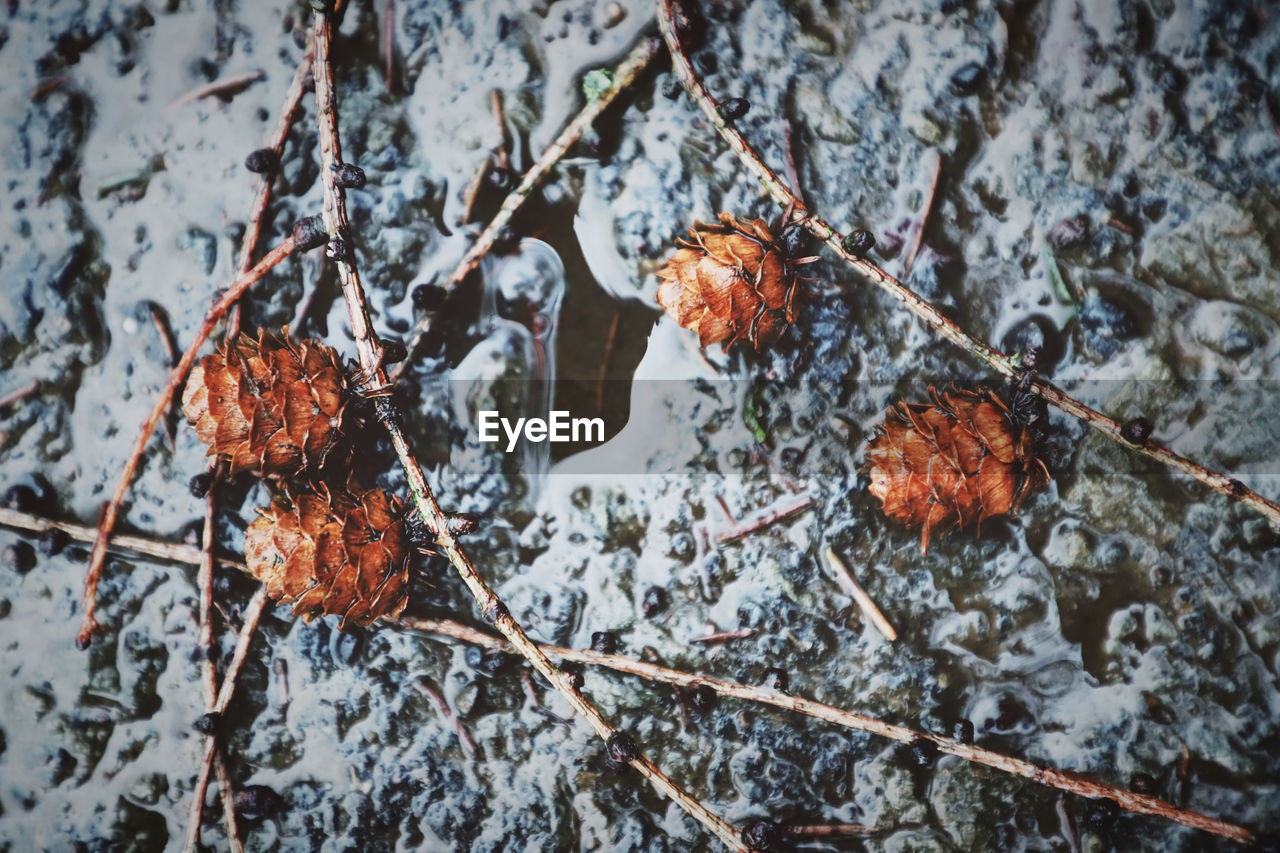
1048, 776
1069, 782
176, 377
21, 393
765, 517
923, 309
252, 614
623, 76
917, 231
223, 84
160, 550
860, 597
370, 353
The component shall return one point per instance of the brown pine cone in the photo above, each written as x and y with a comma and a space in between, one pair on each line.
953, 462
332, 550
271, 405
733, 282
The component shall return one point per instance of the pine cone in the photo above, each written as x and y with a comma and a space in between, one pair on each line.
733, 282
952, 462
270, 405
332, 550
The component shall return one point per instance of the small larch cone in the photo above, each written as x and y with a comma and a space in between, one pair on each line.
953, 462
731, 282
270, 405
332, 550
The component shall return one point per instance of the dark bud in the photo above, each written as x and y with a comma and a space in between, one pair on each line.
461, 523
966, 79
732, 109
1136, 431
393, 351
84, 642
499, 178
858, 243
655, 601
702, 699
604, 642
777, 679
690, 25
200, 484
53, 541
20, 557
336, 250
1142, 783
308, 233
349, 176
255, 802
622, 748
762, 834
1101, 816
495, 611
207, 724
429, 297
921, 752
264, 161
671, 88
962, 731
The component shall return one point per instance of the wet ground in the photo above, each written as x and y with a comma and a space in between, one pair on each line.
1105, 190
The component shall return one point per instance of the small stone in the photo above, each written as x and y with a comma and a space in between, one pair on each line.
255, 802
264, 161
671, 88
349, 176
962, 732
777, 679
1038, 334
20, 557
622, 749
604, 642
1142, 783
308, 233
654, 602
921, 752
1136, 431
967, 78
1106, 324
732, 109
1067, 234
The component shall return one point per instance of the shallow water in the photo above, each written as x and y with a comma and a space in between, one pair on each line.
1126, 612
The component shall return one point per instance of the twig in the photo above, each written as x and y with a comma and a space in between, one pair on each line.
284, 122
14, 396
1048, 776
223, 84
370, 353
925, 310
166, 334
917, 231
824, 830
389, 41
725, 636
176, 377
860, 596
204, 580
252, 614
792, 172
446, 714
171, 551
769, 515
495, 104
1067, 825
603, 373
1069, 782
228, 807
623, 76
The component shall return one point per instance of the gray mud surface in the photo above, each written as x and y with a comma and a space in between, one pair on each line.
1124, 615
